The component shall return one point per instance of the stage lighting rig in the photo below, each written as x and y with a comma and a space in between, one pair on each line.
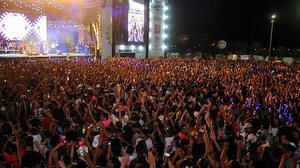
40, 6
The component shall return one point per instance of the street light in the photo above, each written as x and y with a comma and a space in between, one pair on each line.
273, 17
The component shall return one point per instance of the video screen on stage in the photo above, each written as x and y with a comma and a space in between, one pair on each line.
20, 26
136, 19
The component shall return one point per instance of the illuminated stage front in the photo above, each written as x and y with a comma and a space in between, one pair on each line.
48, 56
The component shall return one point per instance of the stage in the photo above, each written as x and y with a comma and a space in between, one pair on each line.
48, 56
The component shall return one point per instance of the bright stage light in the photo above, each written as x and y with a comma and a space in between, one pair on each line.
36, 5
165, 36
166, 8
132, 47
165, 26
141, 48
165, 17
164, 47
122, 47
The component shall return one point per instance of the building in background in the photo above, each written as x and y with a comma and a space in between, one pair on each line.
158, 28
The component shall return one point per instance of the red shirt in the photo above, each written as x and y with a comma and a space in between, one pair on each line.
107, 122
11, 159
182, 136
46, 123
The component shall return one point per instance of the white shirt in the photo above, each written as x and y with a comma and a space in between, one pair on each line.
168, 141
37, 138
273, 131
148, 142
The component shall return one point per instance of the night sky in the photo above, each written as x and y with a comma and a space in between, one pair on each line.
206, 21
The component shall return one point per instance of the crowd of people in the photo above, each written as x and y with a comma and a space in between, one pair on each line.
149, 113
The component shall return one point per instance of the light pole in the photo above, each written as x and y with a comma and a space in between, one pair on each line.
273, 17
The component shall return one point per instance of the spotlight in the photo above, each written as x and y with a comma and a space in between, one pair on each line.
122, 47
132, 47
141, 48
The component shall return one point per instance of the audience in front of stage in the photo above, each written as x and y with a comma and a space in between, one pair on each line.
149, 113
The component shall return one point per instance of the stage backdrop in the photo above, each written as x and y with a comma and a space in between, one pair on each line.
20, 26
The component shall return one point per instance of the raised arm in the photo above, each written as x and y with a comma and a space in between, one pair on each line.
223, 155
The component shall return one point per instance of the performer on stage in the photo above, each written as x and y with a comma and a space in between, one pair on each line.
24, 45
9, 45
41, 48
49, 48
31, 46
1, 44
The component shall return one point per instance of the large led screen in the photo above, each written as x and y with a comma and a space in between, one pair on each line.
136, 21
18, 26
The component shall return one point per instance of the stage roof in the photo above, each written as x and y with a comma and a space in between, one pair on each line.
59, 8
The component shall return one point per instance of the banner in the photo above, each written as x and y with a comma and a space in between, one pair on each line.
136, 21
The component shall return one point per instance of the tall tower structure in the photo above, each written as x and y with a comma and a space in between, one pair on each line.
158, 28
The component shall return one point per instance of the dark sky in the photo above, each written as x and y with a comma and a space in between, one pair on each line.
235, 21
